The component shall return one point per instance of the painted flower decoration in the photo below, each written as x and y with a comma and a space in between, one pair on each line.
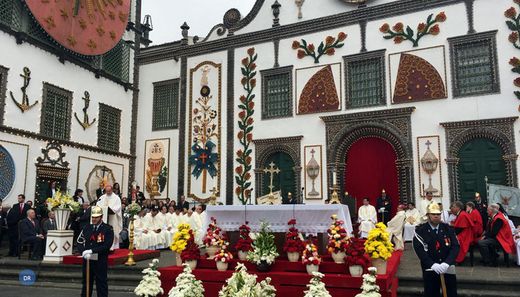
327, 47
399, 33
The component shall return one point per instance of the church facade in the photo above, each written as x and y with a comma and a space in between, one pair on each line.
305, 96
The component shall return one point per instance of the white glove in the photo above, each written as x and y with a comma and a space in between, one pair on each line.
437, 268
87, 254
444, 267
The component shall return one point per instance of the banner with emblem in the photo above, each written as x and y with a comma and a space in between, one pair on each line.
509, 197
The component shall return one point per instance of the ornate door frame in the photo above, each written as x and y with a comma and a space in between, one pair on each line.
499, 130
392, 125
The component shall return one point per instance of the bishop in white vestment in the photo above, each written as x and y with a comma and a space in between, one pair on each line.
115, 219
367, 217
396, 226
413, 218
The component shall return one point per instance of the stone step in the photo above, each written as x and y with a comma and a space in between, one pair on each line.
490, 284
418, 292
69, 285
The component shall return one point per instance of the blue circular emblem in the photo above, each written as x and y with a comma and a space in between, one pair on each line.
7, 169
27, 277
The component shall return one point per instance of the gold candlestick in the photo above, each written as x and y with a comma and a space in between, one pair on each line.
130, 261
334, 199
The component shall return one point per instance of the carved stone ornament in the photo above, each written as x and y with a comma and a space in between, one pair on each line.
53, 155
231, 18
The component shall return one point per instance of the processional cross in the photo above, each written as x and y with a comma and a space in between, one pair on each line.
271, 171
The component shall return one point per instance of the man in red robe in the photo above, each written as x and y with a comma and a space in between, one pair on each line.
497, 234
476, 218
463, 226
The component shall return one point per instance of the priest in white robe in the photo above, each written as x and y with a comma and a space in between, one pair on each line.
367, 218
413, 218
396, 226
115, 216
142, 240
154, 225
423, 207
516, 238
167, 225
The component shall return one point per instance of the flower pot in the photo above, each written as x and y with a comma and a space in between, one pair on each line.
242, 256
263, 266
355, 270
222, 266
62, 218
178, 260
212, 251
293, 256
312, 268
192, 263
338, 257
380, 265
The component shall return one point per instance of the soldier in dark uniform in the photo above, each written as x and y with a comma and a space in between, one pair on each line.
98, 238
481, 206
436, 245
383, 207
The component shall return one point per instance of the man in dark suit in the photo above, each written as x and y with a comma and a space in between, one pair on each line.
437, 247
98, 241
183, 204
30, 232
82, 220
140, 195
17, 213
383, 206
3, 223
50, 223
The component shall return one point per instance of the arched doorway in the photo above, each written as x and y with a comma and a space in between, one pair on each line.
478, 159
284, 180
370, 167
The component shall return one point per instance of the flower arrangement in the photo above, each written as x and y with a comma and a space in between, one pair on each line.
214, 235
223, 255
244, 284
369, 287
338, 236
180, 238
293, 239
244, 242
378, 245
316, 287
187, 285
62, 201
327, 48
150, 285
191, 251
264, 248
355, 251
310, 254
133, 209
398, 33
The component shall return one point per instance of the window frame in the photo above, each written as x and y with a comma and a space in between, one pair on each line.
176, 83
372, 55
489, 36
4, 71
60, 91
102, 108
265, 76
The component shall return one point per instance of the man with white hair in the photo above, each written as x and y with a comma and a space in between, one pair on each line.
413, 219
396, 226
497, 234
115, 216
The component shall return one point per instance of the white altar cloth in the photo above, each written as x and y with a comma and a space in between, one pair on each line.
310, 219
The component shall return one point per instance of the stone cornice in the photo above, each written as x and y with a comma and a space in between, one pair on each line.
477, 123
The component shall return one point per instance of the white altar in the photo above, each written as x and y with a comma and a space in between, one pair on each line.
311, 219
59, 244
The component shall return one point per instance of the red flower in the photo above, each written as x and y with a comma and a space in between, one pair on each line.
240, 153
238, 190
247, 176
239, 170
295, 44
291, 222
240, 134
514, 60
249, 137
329, 40
398, 27
242, 114
517, 82
398, 39
510, 13
251, 105
243, 99
248, 160
384, 28
253, 83
250, 121
251, 51
421, 27
441, 17
342, 36
244, 81
252, 66
434, 30
513, 37
245, 61
301, 54
311, 47
330, 51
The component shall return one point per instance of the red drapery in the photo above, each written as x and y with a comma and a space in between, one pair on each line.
370, 167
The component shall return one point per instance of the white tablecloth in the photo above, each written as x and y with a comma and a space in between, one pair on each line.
409, 232
310, 219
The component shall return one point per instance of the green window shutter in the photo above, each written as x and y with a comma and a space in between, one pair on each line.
109, 127
56, 112
11, 13
165, 105
277, 93
365, 79
117, 61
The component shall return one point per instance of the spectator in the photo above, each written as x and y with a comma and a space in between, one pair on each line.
497, 234
50, 223
78, 196
30, 232
116, 189
17, 213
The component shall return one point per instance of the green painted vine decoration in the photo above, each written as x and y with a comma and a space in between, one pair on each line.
399, 33
513, 23
328, 47
245, 126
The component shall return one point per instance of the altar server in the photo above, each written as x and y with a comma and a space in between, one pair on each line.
367, 217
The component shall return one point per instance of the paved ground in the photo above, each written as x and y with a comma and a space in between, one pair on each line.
12, 291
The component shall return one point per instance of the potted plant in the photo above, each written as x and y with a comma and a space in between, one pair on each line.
223, 257
62, 204
369, 288
316, 287
264, 249
150, 285
379, 247
191, 253
214, 237
338, 238
244, 243
310, 258
293, 245
356, 259
244, 284
180, 241
186, 285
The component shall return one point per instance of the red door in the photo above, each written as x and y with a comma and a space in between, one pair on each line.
370, 167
